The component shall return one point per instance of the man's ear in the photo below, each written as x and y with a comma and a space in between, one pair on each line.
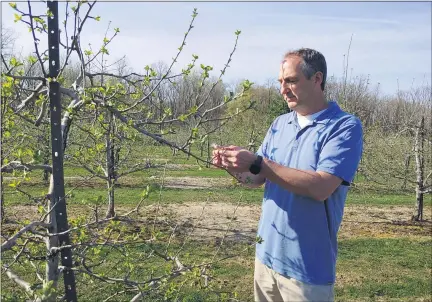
318, 77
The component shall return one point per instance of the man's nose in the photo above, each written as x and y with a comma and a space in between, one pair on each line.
284, 88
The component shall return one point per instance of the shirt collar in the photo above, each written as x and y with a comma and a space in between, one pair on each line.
323, 118
326, 116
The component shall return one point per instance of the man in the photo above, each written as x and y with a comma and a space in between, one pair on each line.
307, 160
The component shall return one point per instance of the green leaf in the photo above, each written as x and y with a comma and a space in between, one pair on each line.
194, 132
237, 32
194, 109
195, 57
105, 40
146, 192
104, 50
14, 62
88, 52
259, 240
97, 18
39, 20
182, 117
41, 209
247, 84
17, 18
13, 5
117, 30
14, 184
32, 59
195, 13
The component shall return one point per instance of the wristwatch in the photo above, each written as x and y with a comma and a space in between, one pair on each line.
255, 168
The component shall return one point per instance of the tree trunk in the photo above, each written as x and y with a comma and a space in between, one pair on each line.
3, 113
407, 163
208, 152
110, 165
419, 156
44, 137
2, 197
111, 210
51, 268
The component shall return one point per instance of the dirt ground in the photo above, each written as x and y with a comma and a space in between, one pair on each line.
241, 223
213, 221
195, 182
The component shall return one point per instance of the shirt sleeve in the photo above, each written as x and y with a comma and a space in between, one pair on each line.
341, 154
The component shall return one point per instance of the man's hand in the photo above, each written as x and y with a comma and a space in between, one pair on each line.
233, 158
237, 161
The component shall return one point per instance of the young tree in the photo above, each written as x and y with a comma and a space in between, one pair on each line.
119, 104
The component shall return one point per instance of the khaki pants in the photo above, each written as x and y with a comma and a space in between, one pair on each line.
271, 286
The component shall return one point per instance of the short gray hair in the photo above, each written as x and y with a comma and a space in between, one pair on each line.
313, 61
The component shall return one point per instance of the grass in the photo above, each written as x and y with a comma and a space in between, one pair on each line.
367, 270
131, 188
384, 268
130, 195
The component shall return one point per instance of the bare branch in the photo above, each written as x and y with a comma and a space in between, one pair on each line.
169, 68
90, 170
19, 281
32, 97
17, 165
35, 40
26, 78
427, 177
77, 33
8, 244
41, 113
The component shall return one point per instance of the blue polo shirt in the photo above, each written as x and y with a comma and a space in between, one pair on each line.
298, 241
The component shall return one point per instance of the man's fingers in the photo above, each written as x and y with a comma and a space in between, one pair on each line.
231, 147
227, 153
226, 163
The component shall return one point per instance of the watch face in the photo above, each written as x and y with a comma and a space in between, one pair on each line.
254, 169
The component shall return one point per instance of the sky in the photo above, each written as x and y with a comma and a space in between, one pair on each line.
391, 41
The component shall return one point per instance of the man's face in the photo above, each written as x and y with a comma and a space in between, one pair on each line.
295, 87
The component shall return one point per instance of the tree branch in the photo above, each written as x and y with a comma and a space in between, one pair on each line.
32, 97
17, 165
8, 244
35, 40
19, 281
169, 68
